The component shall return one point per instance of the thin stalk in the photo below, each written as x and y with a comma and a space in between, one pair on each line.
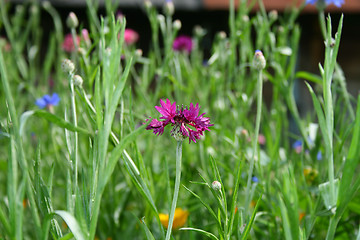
332, 228
74, 118
176, 190
259, 86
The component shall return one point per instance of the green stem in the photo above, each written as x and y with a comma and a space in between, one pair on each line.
332, 228
259, 86
176, 190
74, 118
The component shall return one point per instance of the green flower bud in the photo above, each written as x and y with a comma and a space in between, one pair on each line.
68, 66
78, 81
72, 21
259, 61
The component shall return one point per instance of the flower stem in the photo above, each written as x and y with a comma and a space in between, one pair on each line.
176, 190
259, 86
74, 118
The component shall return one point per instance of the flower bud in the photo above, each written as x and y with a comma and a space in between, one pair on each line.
199, 31
147, 4
68, 66
222, 35
216, 185
72, 21
169, 7
138, 52
177, 24
245, 18
259, 61
273, 15
78, 81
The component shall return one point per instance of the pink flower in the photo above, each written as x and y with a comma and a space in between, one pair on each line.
183, 43
68, 44
186, 121
130, 36
261, 139
85, 36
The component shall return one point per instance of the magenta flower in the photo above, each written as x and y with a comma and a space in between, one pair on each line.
68, 44
130, 36
183, 44
186, 121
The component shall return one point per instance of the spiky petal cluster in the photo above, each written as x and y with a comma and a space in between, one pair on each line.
186, 121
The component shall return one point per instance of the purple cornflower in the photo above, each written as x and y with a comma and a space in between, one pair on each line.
186, 121
337, 3
48, 101
183, 43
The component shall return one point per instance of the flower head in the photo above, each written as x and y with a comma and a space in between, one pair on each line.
310, 174
48, 101
183, 43
325, 3
255, 179
297, 146
186, 121
68, 44
216, 185
180, 218
259, 61
130, 36
319, 155
261, 139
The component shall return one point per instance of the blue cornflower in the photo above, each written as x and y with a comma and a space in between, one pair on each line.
297, 145
319, 155
255, 179
337, 3
47, 100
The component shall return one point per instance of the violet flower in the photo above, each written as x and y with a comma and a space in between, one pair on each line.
186, 121
183, 44
337, 3
48, 101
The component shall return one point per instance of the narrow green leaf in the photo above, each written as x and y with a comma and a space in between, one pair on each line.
203, 232
351, 162
143, 225
59, 121
71, 223
320, 114
309, 76
251, 222
117, 152
207, 207
5, 222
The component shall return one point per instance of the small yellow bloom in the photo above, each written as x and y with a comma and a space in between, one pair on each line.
180, 218
310, 174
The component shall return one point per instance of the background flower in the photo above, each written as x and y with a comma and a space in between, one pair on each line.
68, 44
48, 100
180, 218
183, 43
337, 3
130, 36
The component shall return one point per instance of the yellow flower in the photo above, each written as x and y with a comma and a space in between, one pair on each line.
180, 218
310, 174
